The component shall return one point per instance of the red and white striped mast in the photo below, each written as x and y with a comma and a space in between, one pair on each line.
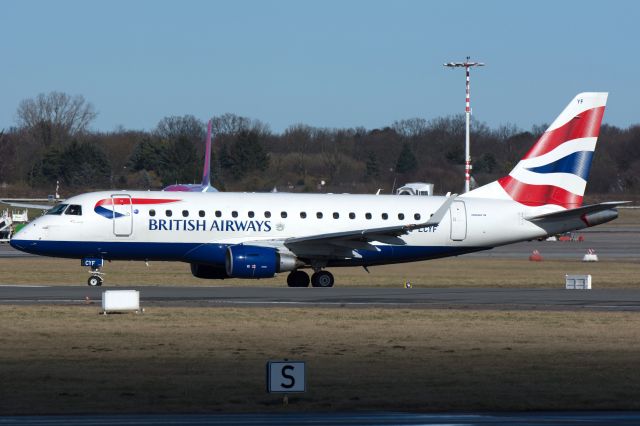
467, 154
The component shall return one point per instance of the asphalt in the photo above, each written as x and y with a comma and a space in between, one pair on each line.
336, 419
340, 297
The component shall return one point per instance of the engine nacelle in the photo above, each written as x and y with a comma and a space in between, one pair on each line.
208, 272
258, 262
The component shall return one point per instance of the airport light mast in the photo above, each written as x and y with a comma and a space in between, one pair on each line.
467, 154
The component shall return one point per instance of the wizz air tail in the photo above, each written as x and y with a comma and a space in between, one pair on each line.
205, 186
554, 172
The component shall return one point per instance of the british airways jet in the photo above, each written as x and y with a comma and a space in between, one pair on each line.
246, 235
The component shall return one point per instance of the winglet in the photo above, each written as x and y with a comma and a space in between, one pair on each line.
437, 217
206, 181
439, 214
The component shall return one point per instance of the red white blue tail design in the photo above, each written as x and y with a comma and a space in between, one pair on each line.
555, 170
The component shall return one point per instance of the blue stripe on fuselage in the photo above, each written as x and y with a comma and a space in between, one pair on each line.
214, 254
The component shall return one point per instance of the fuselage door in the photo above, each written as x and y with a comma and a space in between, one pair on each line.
122, 215
458, 221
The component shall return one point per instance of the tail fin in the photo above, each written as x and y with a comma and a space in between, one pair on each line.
206, 172
556, 169
205, 186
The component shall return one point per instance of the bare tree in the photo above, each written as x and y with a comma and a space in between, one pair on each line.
232, 125
410, 128
298, 139
52, 118
175, 127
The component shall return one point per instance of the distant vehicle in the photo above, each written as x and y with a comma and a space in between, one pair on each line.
205, 185
257, 235
416, 188
11, 222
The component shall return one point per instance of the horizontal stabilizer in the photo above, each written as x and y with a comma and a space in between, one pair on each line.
577, 212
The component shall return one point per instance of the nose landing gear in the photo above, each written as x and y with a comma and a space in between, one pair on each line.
95, 280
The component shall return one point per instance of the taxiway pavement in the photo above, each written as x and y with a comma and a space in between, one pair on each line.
443, 298
569, 418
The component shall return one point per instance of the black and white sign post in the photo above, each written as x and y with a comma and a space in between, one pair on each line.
286, 377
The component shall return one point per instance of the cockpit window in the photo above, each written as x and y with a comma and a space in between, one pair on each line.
58, 210
74, 209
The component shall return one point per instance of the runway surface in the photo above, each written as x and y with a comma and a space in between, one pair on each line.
336, 419
456, 298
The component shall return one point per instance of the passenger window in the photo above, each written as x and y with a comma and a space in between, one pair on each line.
303, 215
185, 213
57, 210
336, 215
251, 214
267, 214
283, 215
319, 215
234, 214
385, 216
168, 213
74, 210
152, 212
201, 213
352, 215
401, 216
368, 215
218, 213
416, 216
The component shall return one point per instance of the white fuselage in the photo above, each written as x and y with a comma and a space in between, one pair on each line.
152, 228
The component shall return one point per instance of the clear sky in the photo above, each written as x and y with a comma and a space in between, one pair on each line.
325, 63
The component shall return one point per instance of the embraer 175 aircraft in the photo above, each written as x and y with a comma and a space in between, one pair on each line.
246, 235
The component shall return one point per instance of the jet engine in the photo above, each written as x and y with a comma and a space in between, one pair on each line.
208, 272
258, 262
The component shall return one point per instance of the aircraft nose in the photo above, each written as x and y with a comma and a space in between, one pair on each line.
20, 240
16, 243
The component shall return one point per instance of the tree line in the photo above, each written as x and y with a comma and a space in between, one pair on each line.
52, 142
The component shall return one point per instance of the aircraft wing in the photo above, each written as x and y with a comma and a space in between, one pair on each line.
577, 212
27, 205
343, 244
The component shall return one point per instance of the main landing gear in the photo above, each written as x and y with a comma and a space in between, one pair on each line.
318, 279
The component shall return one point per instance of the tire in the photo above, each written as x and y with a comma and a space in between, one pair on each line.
298, 279
94, 281
322, 279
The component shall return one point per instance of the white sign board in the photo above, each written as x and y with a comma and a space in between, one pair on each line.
120, 300
286, 377
578, 282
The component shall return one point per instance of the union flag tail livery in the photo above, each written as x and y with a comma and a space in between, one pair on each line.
555, 170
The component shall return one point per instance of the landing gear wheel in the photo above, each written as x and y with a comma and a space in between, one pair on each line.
298, 279
322, 279
94, 281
